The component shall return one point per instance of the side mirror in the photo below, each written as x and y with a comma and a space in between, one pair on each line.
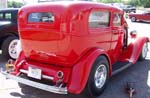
133, 33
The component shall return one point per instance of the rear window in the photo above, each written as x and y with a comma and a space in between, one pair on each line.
41, 17
99, 19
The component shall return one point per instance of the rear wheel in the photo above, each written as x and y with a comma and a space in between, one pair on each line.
144, 52
9, 47
133, 19
98, 77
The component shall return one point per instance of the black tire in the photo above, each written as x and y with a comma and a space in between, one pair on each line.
91, 90
133, 19
5, 46
143, 52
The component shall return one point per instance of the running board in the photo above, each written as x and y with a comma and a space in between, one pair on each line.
53, 89
120, 66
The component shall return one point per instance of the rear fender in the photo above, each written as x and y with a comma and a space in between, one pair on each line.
81, 71
20, 60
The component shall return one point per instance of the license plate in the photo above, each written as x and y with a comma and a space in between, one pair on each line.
34, 73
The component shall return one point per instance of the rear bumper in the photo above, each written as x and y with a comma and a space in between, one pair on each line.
49, 88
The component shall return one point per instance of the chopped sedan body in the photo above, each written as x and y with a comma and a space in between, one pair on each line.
75, 46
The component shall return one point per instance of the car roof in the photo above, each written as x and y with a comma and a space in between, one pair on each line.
9, 9
71, 4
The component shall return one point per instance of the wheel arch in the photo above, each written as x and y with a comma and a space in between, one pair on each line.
137, 48
8, 34
81, 71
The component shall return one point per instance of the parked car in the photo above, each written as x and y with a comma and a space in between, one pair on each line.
9, 32
129, 8
140, 17
76, 51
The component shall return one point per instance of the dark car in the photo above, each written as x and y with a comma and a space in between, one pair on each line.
129, 8
140, 17
9, 32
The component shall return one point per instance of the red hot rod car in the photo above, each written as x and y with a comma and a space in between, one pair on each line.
75, 46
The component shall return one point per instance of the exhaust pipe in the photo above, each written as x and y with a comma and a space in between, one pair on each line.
60, 75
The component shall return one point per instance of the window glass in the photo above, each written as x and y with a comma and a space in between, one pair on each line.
117, 20
1, 15
7, 15
41, 17
99, 19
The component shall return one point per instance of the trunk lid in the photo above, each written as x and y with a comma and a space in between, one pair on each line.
40, 32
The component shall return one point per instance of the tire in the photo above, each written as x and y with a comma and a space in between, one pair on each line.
97, 80
144, 52
8, 47
133, 19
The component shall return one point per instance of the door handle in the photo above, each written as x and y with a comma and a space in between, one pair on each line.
115, 31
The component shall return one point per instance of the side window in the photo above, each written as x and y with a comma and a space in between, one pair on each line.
117, 20
8, 16
1, 15
98, 19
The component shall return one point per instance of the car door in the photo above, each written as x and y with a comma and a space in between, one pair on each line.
117, 36
99, 28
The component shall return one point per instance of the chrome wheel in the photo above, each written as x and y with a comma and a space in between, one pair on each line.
133, 19
100, 76
145, 50
12, 49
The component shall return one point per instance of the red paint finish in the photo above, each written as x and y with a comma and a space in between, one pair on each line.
70, 44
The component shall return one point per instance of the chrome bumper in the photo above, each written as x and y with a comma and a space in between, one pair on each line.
53, 89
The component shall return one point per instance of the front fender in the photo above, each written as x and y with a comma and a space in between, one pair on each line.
134, 49
81, 71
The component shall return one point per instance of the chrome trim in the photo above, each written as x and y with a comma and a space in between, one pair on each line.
43, 76
53, 89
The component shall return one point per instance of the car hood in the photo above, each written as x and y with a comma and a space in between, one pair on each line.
4, 23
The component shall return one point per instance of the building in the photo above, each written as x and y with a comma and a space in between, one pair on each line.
3, 4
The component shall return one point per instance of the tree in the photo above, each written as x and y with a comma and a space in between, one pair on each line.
14, 4
110, 1
144, 3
